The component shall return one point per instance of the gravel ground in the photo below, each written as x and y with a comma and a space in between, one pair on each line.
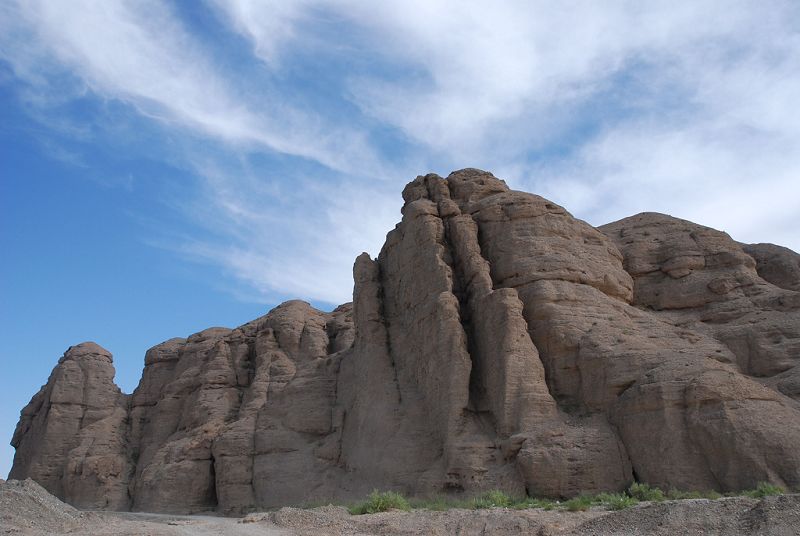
27, 509
332, 520
773, 516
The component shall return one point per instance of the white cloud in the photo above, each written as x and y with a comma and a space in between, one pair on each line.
610, 109
474, 69
272, 233
705, 125
745, 186
140, 53
726, 158
299, 243
694, 100
268, 23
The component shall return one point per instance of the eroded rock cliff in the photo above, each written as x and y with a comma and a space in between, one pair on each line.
495, 342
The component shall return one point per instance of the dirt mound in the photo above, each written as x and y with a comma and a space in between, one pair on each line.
776, 516
335, 520
27, 508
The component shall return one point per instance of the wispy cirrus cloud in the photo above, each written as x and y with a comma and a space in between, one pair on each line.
306, 250
611, 109
316, 121
725, 154
142, 54
262, 226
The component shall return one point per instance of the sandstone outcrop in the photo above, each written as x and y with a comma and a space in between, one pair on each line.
495, 342
776, 264
71, 438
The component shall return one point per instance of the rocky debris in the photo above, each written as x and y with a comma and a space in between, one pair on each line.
322, 520
776, 516
27, 508
495, 342
335, 521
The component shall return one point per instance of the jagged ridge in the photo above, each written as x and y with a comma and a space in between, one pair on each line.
496, 342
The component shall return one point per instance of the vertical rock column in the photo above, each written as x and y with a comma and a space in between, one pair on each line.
425, 346
71, 437
527, 243
508, 378
386, 441
429, 322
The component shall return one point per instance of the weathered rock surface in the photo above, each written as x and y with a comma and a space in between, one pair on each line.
495, 342
71, 437
776, 264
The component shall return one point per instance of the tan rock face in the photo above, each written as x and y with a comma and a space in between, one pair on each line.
226, 419
720, 292
495, 342
71, 437
776, 264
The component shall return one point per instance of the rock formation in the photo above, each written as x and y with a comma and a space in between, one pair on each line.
495, 342
71, 437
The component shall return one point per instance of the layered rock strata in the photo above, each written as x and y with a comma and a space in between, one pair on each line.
495, 342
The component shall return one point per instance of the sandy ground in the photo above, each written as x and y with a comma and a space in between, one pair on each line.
27, 509
136, 524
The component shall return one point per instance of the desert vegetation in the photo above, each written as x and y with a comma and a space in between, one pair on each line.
383, 501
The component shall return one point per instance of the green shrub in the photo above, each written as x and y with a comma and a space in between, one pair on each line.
498, 498
381, 502
579, 504
675, 495
389, 500
492, 499
530, 502
764, 489
643, 492
479, 503
616, 501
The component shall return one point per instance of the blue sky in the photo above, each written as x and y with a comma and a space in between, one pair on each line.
170, 166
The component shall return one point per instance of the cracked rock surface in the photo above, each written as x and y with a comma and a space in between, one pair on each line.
496, 342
